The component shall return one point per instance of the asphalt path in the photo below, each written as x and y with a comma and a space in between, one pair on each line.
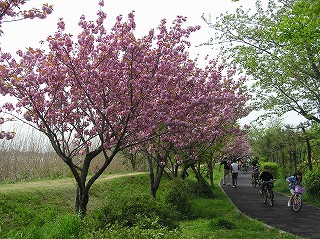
305, 223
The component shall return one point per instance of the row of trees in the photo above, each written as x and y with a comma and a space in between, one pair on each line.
278, 46
103, 92
293, 148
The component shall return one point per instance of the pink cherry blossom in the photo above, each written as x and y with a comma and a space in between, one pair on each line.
107, 90
10, 11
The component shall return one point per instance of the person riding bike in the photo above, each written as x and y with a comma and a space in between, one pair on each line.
265, 177
255, 175
294, 181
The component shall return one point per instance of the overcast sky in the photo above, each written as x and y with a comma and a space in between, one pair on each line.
148, 13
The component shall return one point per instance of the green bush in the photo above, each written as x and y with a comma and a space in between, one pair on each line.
138, 211
202, 189
274, 167
178, 195
311, 181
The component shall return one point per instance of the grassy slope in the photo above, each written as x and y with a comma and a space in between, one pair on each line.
217, 218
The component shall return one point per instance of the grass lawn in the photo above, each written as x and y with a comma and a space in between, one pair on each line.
48, 212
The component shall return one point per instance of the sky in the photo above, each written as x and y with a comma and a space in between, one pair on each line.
148, 13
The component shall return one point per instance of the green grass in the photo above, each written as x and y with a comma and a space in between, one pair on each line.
42, 213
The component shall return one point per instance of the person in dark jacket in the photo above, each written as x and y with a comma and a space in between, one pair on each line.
265, 176
226, 171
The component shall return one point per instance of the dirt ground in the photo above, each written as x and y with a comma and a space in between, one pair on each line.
53, 183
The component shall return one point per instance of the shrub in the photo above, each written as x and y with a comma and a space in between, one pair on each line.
138, 211
311, 181
274, 167
202, 189
178, 195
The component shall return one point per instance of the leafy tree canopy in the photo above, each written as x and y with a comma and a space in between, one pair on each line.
278, 46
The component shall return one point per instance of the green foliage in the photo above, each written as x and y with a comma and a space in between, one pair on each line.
51, 214
274, 168
178, 195
119, 232
311, 181
201, 189
21, 209
223, 223
137, 211
278, 46
66, 227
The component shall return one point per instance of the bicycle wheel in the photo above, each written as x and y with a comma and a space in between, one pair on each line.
265, 197
254, 183
270, 197
296, 203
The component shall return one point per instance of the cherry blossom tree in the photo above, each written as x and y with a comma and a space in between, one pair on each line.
238, 146
10, 10
210, 106
102, 92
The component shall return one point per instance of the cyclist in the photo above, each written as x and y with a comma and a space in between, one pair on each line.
255, 175
255, 163
294, 181
265, 176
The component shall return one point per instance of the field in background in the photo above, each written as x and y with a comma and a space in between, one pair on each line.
29, 156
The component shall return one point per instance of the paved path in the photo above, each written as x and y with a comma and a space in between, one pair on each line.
305, 223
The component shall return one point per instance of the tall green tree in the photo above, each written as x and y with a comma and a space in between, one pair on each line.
278, 46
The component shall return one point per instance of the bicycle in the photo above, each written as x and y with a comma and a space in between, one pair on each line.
267, 191
296, 201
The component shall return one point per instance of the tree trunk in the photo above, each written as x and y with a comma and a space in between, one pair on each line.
133, 161
199, 177
210, 173
82, 199
308, 148
175, 171
151, 174
156, 184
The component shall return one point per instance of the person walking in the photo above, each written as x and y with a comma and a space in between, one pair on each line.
234, 173
226, 170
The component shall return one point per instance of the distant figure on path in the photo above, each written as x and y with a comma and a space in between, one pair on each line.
255, 163
234, 173
226, 170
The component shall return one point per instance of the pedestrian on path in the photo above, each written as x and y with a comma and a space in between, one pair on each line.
234, 173
226, 170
